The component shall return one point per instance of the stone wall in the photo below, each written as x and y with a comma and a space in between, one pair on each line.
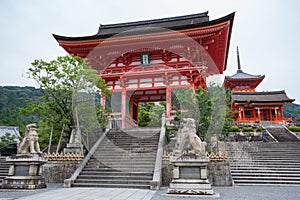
219, 173
58, 171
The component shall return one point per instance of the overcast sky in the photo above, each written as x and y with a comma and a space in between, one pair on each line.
266, 31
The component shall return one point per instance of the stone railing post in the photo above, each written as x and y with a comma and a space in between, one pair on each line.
156, 180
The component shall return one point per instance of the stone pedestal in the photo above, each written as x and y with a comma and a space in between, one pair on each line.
190, 175
25, 172
73, 147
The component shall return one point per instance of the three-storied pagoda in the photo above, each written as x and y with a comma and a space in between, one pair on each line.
252, 106
153, 60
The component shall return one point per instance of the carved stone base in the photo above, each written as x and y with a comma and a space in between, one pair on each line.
25, 172
190, 176
24, 182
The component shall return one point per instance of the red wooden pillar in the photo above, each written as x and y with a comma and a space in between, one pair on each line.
103, 100
123, 107
168, 101
270, 113
281, 113
240, 114
254, 113
258, 113
243, 114
276, 114
131, 110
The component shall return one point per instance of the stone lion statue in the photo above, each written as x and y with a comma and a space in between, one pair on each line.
187, 136
30, 142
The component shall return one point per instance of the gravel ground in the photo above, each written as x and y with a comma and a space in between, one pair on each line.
226, 193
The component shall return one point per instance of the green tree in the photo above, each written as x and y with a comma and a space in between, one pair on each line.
196, 105
7, 138
57, 80
150, 114
229, 114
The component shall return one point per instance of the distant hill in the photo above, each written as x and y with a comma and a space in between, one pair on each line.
12, 98
292, 110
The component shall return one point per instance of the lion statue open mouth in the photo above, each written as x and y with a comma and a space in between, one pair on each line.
187, 136
30, 142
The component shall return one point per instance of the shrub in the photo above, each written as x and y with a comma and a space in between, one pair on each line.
294, 128
247, 129
259, 129
234, 129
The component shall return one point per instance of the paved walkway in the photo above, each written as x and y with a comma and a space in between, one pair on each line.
93, 193
56, 192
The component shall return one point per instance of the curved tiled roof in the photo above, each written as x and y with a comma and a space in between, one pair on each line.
242, 75
273, 96
172, 23
163, 22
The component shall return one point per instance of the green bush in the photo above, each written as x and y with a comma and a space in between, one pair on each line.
294, 128
234, 129
247, 129
259, 129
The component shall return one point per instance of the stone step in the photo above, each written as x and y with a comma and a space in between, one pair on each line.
116, 173
121, 168
4, 172
132, 143
125, 152
264, 163
4, 167
121, 160
266, 171
266, 178
265, 174
266, 182
101, 160
112, 185
271, 165
251, 168
115, 181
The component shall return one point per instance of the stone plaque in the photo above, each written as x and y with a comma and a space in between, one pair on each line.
189, 172
21, 170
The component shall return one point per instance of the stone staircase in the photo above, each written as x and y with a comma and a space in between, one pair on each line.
124, 159
281, 134
259, 163
4, 167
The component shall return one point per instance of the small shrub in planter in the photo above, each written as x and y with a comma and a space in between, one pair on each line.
247, 129
259, 129
234, 129
294, 128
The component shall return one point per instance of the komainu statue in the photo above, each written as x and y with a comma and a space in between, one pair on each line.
187, 135
30, 142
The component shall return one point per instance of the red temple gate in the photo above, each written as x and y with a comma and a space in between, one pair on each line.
149, 61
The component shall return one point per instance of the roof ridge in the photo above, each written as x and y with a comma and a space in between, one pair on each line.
167, 19
262, 92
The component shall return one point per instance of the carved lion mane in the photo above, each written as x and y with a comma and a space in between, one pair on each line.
187, 134
30, 142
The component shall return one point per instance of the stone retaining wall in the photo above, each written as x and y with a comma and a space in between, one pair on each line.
219, 173
58, 171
